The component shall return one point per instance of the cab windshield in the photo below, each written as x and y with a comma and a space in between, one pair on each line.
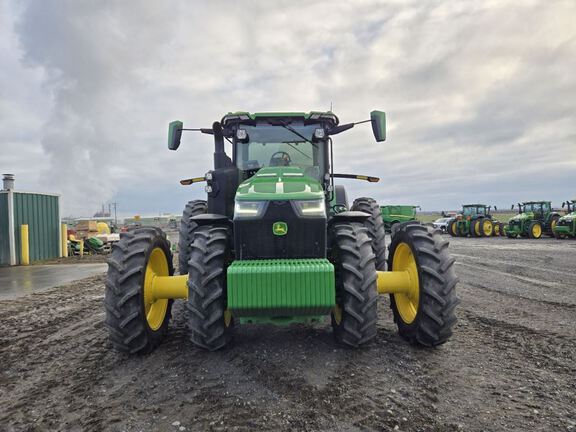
471, 211
536, 207
271, 145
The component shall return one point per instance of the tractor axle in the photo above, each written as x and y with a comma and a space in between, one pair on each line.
175, 287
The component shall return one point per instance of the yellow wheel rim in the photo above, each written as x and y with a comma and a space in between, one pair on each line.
337, 313
497, 229
537, 230
487, 228
155, 309
553, 224
407, 303
454, 228
477, 228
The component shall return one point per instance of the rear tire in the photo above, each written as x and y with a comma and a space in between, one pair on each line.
209, 322
186, 232
124, 300
375, 226
355, 315
435, 317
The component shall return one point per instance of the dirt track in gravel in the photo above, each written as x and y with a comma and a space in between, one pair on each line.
511, 364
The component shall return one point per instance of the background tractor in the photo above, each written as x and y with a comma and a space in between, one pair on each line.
566, 225
395, 214
533, 219
275, 241
475, 220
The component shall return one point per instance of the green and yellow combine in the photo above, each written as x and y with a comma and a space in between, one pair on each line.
397, 214
276, 241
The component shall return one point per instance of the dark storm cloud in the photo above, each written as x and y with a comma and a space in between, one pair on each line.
480, 95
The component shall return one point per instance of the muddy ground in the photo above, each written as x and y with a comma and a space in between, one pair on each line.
511, 364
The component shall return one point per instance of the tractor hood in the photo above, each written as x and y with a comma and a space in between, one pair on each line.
280, 183
523, 216
569, 217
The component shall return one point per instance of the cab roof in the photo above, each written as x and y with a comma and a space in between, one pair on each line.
240, 116
474, 205
536, 202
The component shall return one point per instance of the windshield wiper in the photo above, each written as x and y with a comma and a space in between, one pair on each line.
294, 131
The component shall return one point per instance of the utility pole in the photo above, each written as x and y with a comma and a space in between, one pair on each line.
115, 204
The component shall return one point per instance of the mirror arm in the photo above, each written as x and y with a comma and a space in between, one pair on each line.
357, 177
337, 129
203, 130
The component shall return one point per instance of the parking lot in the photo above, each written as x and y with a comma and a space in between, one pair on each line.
509, 366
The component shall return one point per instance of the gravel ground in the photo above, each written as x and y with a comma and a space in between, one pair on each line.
509, 366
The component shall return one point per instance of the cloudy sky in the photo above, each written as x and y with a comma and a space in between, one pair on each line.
480, 96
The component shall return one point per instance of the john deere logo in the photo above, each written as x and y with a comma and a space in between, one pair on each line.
280, 228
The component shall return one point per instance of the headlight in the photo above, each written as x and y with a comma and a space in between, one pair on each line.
249, 209
311, 208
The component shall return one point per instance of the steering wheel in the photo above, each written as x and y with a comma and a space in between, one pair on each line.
280, 158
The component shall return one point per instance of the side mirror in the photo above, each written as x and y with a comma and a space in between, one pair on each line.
495, 208
563, 204
378, 119
512, 207
174, 134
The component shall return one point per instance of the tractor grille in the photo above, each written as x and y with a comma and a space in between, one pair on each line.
306, 237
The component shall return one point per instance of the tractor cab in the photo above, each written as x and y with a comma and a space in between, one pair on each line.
540, 209
474, 210
269, 140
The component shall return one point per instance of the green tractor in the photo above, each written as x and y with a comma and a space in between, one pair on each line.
566, 225
533, 219
475, 220
395, 214
277, 242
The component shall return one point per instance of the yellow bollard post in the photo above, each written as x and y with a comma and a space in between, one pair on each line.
24, 245
64, 239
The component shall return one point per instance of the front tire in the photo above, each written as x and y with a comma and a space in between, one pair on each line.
424, 317
209, 322
354, 317
553, 223
136, 323
535, 230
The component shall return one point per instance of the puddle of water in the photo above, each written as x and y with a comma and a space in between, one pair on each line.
23, 280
